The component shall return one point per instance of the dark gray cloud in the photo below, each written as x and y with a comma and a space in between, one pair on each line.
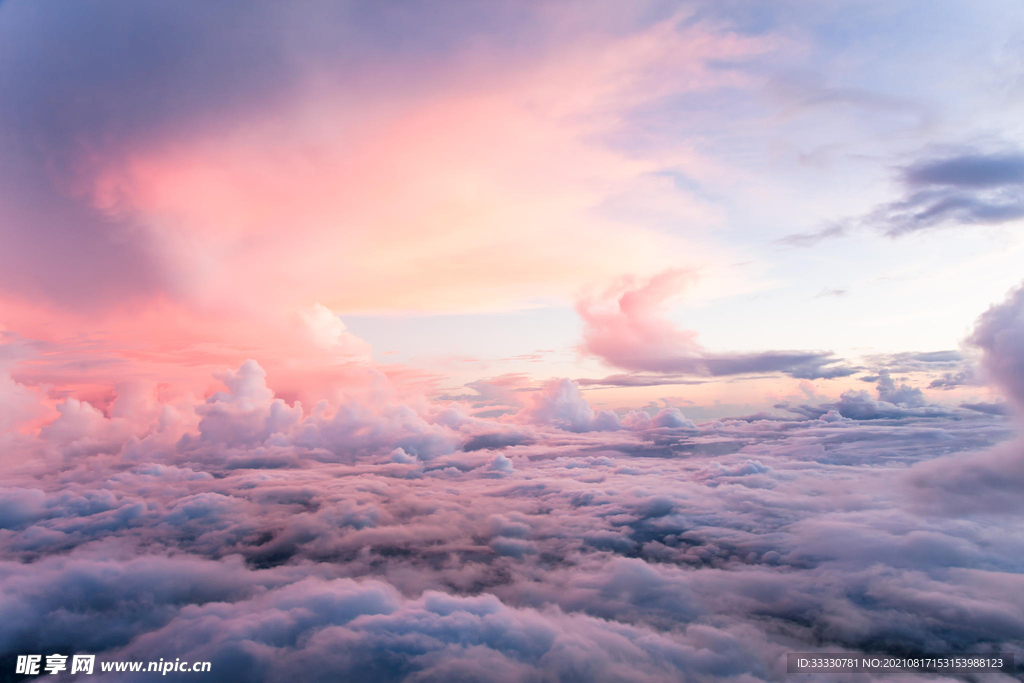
638, 380
971, 170
949, 356
802, 365
798, 364
950, 380
988, 408
968, 189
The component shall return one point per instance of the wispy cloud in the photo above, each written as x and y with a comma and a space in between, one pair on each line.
967, 189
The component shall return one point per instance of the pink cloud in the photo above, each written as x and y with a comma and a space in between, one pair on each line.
627, 326
237, 236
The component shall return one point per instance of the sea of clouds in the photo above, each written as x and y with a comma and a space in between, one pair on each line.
161, 164
378, 541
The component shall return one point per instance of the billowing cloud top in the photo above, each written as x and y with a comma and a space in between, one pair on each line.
417, 542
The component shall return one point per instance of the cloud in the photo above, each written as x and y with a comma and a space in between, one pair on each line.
984, 482
893, 402
184, 176
638, 380
328, 331
950, 380
972, 170
18, 403
627, 327
809, 239
859, 405
958, 366
177, 221
988, 482
989, 408
337, 626
903, 394
666, 417
561, 404
496, 395
932, 356
405, 541
968, 189
999, 333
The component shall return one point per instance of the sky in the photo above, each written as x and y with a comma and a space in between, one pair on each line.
185, 188
517, 341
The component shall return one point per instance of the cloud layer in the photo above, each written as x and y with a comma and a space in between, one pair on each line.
415, 542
